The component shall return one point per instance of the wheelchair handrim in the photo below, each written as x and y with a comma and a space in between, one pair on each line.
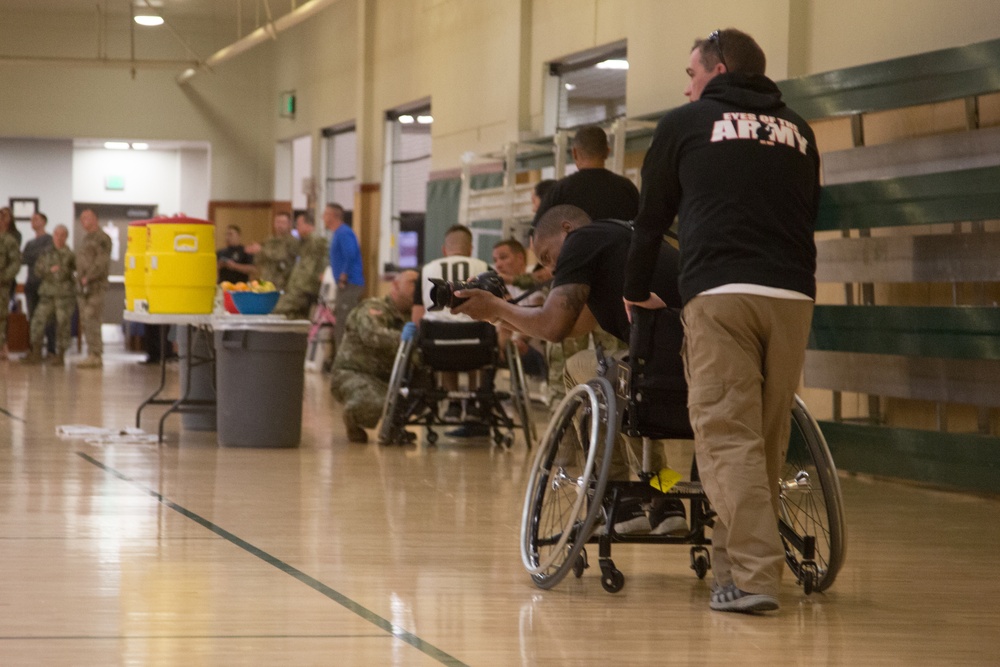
531, 491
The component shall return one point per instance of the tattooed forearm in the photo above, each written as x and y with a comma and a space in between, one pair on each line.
571, 298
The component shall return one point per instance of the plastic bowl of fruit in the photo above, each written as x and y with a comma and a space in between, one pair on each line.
255, 303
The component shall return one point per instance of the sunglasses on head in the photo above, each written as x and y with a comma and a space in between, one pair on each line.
715, 37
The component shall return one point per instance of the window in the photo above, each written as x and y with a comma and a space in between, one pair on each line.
587, 88
404, 202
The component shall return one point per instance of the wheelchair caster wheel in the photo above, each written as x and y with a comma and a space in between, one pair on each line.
612, 579
580, 564
808, 576
432, 437
701, 562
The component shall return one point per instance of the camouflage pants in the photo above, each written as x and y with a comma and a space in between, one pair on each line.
363, 396
627, 454
4, 307
558, 353
91, 313
62, 308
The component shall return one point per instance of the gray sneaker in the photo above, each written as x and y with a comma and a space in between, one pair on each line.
731, 598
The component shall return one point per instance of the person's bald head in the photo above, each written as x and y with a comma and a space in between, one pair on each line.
402, 290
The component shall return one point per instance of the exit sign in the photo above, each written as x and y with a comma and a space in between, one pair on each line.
288, 104
114, 183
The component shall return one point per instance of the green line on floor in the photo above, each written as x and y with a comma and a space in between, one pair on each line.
315, 584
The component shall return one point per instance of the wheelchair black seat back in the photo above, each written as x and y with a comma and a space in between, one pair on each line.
457, 346
442, 346
651, 379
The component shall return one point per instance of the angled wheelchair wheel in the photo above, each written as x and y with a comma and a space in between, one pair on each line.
811, 520
390, 426
519, 394
567, 482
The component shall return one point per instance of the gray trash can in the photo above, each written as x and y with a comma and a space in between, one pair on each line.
260, 373
202, 378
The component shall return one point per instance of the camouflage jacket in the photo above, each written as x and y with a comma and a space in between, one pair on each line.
59, 282
276, 259
10, 259
307, 274
372, 338
94, 257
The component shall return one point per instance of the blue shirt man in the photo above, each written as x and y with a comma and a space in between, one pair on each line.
345, 263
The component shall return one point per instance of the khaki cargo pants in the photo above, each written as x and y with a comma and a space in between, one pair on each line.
743, 357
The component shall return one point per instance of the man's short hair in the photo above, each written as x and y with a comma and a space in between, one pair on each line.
44, 217
284, 214
543, 186
739, 52
235, 228
458, 229
551, 222
458, 239
515, 247
308, 217
591, 140
338, 208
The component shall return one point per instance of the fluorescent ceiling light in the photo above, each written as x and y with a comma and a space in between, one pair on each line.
614, 63
148, 20
406, 119
570, 86
140, 146
425, 120
116, 145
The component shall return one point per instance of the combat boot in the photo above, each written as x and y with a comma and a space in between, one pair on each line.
34, 357
57, 359
354, 432
92, 361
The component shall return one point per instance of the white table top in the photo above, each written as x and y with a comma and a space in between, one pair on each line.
223, 321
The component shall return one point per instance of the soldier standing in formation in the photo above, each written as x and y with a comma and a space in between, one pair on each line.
275, 259
365, 356
54, 271
10, 264
303, 285
33, 250
92, 262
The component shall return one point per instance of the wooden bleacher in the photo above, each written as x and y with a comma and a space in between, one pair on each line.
909, 265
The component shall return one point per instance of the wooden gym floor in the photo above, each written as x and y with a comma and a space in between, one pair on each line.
339, 554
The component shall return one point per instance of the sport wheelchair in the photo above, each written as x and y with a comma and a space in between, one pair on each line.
570, 502
414, 398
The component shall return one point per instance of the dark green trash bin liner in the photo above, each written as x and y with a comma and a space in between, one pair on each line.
259, 380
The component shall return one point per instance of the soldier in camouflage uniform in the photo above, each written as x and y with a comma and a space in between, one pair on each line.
56, 292
92, 261
361, 369
302, 289
275, 258
10, 264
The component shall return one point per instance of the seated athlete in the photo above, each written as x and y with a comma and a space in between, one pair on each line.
587, 259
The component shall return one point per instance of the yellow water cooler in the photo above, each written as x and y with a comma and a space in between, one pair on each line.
135, 267
180, 266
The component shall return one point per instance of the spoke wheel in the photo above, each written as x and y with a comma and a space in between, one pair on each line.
567, 482
388, 428
811, 519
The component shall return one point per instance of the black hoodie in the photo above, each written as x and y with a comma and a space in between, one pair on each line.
742, 172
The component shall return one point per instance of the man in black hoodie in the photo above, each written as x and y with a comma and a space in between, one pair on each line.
741, 171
